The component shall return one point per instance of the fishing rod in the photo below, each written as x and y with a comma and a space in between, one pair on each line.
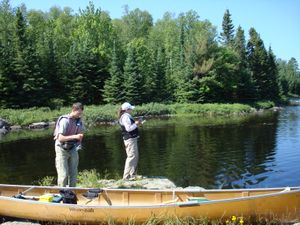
141, 118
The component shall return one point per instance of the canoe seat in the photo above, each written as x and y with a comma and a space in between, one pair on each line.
95, 193
92, 193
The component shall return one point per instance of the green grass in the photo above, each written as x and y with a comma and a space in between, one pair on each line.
95, 115
85, 178
168, 221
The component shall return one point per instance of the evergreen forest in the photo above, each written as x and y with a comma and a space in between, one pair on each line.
54, 58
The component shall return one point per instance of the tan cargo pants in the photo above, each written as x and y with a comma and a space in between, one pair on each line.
132, 159
66, 163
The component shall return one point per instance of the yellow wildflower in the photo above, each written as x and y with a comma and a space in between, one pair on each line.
233, 218
241, 221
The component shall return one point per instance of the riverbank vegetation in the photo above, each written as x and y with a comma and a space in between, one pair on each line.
100, 114
54, 58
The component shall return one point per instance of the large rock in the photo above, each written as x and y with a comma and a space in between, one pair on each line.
4, 124
140, 182
39, 125
4, 127
20, 223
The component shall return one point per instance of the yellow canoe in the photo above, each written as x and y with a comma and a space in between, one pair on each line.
139, 205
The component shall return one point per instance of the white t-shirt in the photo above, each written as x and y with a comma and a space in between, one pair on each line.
126, 122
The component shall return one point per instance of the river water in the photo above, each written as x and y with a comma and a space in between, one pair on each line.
261, 150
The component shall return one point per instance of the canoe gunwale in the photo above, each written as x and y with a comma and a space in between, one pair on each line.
175, 190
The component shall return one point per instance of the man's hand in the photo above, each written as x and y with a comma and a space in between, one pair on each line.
79, 137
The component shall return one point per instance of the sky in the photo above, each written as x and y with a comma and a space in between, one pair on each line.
277, 21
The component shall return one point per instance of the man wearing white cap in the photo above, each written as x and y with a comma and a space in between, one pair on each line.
130, 135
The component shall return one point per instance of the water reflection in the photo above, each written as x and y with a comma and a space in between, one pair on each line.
253, 151
218, 156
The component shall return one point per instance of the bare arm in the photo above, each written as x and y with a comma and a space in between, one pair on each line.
63, 138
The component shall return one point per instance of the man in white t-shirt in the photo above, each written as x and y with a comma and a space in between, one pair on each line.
68, 136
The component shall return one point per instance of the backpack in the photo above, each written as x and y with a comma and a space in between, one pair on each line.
57, 125
68, 196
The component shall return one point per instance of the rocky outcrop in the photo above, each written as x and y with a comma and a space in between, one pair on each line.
4, 127
20, 223
4, 124
142, 182
40, 125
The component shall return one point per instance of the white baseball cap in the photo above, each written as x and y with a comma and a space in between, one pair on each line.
126, 106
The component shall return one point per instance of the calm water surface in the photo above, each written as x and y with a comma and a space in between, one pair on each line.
255, 151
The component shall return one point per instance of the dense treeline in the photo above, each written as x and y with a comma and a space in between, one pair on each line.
52, 58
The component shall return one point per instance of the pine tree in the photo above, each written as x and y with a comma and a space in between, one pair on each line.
56, 81
273, 76
133, 80
282, 79
227, 35
245, 88
29, 80
85, 78
258, 60
159, 90
91, 50
21, 69
226, 72
239, 46
7, 54
113, 87
187, 89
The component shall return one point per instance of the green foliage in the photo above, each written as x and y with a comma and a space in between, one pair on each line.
135, 24
209, 88
289, 77
263, 104
88, 179
92, 178
97, 114
94, 115
27, 116
212, 109
47, 181
51, 59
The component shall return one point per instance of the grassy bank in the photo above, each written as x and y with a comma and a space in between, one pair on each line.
107, 113
233, 220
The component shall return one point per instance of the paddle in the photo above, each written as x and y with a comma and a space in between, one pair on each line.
21, 194
27, 190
